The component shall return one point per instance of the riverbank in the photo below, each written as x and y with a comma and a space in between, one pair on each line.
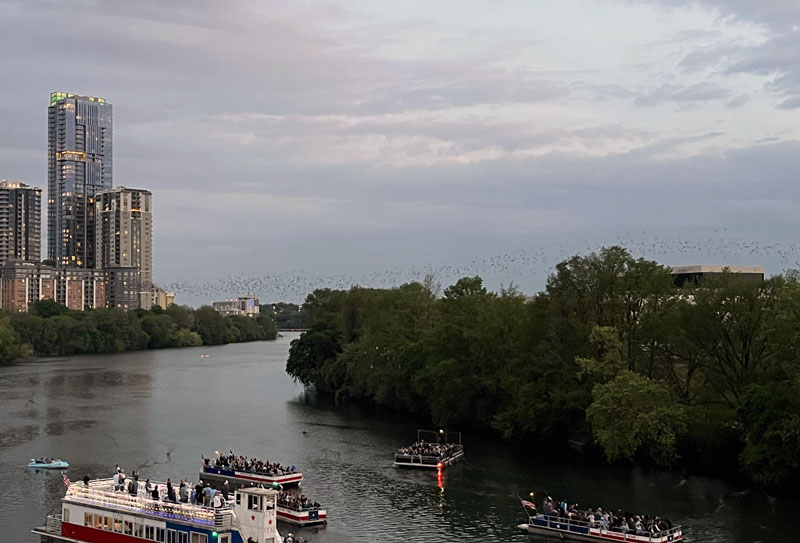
51, 329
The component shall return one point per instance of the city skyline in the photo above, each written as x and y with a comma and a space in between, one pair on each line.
394, 140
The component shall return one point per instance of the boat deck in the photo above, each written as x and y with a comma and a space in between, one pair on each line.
100, 492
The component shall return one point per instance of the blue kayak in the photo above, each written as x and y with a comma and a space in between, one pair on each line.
48, 464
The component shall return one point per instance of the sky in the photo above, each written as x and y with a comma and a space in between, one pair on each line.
297, 145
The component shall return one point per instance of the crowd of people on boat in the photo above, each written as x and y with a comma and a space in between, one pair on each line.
46, 460
252, 465
421, 448
184, 492
298, 502
624, 522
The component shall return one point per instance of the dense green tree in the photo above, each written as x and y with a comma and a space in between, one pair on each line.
632, 412
10, 346
211, 326
183, 316
771, 418
161, 330
47, 308
728, 323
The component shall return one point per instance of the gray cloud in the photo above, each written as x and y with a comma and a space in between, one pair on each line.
682, 94
778, 56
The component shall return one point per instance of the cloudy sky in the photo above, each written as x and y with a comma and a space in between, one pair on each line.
292, 145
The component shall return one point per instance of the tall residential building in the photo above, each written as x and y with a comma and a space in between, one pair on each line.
124, 237
20, 222
79, 165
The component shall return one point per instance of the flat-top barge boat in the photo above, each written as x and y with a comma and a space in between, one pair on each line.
569, 523
432, 450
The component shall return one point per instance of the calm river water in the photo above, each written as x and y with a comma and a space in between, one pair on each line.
158, 411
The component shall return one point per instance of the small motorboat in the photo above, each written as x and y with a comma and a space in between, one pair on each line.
48, 463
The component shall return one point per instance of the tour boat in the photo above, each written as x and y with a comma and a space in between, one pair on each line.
216, 474
52, 463
96, 513
307, 516
438, 452
568, 529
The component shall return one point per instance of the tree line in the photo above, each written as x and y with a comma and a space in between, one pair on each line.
611, 356
51, 329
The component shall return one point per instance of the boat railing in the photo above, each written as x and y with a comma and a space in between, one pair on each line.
96, 493
300, 509
53, 524
210, 467
567, 524
423, 459
427, 459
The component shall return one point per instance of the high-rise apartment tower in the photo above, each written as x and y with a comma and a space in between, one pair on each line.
79, 165
124, 237
20, 222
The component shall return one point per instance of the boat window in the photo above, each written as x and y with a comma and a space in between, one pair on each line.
98, 522
183, 537
107, 523
87, 519
199, 538
65, 515
172, 536
118, 525
225, 538
160, 534
128, 529
238, 499
149, 532
253, 503
138, 529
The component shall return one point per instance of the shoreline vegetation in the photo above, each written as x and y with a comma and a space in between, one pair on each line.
611, 356
51, 329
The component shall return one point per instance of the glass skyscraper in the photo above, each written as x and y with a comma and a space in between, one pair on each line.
79, 165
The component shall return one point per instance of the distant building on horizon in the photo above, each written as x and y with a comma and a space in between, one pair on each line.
124, 241
246, 306
698, 274
20, 222
162, 298
79, 165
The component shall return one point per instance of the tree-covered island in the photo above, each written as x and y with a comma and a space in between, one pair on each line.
611, 355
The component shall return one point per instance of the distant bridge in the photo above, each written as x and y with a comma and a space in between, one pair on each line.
292, 329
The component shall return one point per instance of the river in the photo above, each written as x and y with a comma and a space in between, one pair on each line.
158, 411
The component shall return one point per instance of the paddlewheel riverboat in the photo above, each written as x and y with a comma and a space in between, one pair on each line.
581, 530
433, 450
216, 472
96, 513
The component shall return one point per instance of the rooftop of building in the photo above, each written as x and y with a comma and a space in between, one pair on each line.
8, 184
123, 189
702, 268
57, 96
